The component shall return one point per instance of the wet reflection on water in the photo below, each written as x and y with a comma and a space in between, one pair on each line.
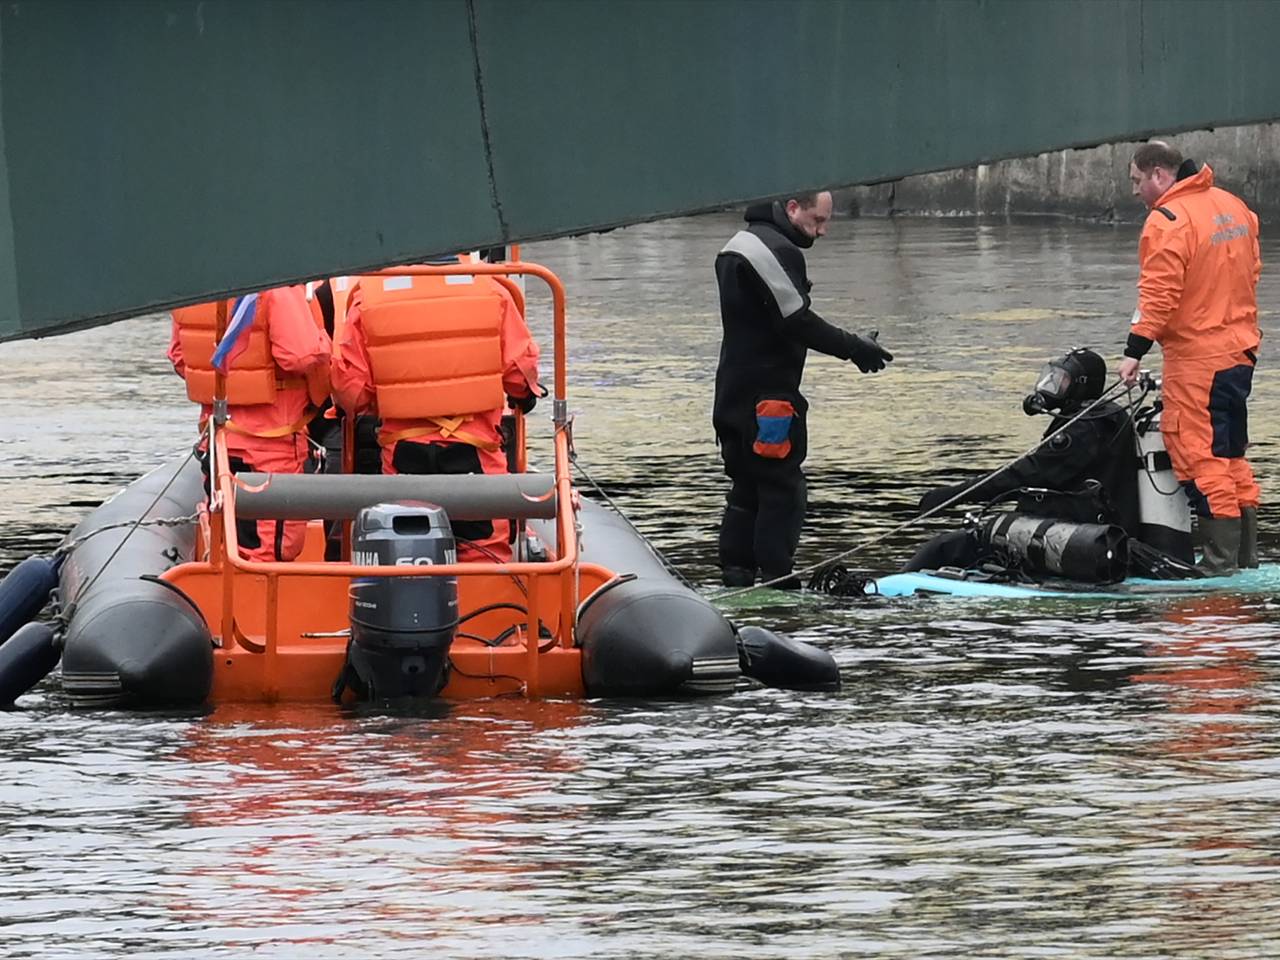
996, 779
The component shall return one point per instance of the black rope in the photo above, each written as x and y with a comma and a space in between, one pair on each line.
671, 567
838, 580
66, 615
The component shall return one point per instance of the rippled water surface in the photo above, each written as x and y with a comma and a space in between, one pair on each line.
996, 779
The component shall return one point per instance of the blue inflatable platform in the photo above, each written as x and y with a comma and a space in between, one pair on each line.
1265, 579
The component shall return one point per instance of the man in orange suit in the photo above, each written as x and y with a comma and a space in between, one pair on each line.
438, 358
1197, 297
275, 358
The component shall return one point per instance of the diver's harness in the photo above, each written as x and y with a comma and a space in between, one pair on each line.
1027, 546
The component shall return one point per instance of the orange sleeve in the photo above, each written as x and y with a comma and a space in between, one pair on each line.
175, 351
350, 377
519, 352
1162, 259
297, 343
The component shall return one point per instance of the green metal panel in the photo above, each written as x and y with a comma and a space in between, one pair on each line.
159, 153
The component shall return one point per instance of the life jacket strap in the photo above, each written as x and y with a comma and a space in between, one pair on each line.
447, 427
275, 432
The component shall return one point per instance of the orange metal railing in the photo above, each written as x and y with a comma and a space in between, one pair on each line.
224, 544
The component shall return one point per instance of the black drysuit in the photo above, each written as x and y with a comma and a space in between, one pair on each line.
1098, 447
759, 412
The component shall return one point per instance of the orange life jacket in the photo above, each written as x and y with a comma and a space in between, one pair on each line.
435, 345
341, 288
253, 376
513, 285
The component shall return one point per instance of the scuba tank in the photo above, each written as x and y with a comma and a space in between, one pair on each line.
1093, 552
1163, 508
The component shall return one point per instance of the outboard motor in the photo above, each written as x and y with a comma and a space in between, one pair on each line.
1163, 509
1094, 552
401, 627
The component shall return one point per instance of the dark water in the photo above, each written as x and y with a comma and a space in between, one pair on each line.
995, 779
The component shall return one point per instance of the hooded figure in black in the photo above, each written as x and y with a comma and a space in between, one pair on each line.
1088, 473
759, 413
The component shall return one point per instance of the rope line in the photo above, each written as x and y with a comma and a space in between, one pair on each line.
71, 545
64, 616
671, 567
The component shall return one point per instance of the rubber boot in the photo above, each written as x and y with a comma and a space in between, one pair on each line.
737, 577
1248, 537
737, 554
1220, 546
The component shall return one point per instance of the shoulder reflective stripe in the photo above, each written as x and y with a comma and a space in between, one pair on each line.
752, 249
397, 283
341, 283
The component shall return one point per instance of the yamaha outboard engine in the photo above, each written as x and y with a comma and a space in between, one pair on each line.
1094, 552
401, 627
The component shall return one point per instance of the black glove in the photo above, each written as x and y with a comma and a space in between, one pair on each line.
939, 495
523, 404
866, 353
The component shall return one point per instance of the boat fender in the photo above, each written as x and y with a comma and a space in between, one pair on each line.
652, 638
26, 660
138, 642
24, 591
779, 661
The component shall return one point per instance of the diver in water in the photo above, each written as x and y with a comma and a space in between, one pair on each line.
1085, 471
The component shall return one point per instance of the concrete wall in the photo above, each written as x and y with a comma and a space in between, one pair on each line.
1091, 183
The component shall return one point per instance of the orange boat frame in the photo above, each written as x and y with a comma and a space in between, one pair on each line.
280, 629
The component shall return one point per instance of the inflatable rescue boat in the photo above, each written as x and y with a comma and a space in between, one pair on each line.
155, 605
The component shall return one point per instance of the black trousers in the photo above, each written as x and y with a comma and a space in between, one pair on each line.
765, 508
436, 458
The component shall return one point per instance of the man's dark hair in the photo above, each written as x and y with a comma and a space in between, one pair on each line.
806, 200
1157, 153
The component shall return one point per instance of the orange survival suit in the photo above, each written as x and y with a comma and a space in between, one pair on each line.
437, 357
277, 376
1197, 298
